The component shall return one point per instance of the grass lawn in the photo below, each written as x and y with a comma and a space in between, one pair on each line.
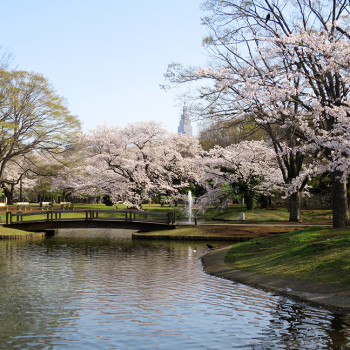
231, 214
6, 231
228, 216
267, 215
316, 254
256, 215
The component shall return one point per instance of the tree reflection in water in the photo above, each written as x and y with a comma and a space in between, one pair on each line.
101, 289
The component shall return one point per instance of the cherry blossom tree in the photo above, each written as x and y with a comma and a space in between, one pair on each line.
250, 92
75, 180
16, 174
24, 173
324, 67
267, 68
135, 163
248, 168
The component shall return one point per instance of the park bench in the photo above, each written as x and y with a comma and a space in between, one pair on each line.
66, 205
46, 205
23, 206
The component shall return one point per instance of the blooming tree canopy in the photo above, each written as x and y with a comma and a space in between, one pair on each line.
284, 65
248, 168
134, 163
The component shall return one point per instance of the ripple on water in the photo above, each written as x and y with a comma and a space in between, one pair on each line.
100, 292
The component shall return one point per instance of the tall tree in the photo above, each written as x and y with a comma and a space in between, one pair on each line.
32, 118
323, 59
245, 80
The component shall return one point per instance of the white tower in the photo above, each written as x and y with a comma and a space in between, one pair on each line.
185, 124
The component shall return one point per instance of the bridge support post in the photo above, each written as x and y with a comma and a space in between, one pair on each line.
90, 215
49, 215
171, 218
8, 217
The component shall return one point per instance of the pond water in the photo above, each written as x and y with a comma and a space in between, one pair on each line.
102, 290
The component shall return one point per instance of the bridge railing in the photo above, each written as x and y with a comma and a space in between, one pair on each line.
91, 215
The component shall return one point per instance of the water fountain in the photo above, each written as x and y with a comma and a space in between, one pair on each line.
189, 208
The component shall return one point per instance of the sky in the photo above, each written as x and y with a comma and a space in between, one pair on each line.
107, 58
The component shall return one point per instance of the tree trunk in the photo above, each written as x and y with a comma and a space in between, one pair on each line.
249, 200
265, 202
339, 201
295, 207
8, 193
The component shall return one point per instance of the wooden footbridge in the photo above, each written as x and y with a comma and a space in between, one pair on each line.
79, 218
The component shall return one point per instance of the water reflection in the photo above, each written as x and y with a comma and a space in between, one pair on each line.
101, 290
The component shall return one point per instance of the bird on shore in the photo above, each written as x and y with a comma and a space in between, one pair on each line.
210, 246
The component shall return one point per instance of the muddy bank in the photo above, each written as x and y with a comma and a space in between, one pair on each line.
329, 297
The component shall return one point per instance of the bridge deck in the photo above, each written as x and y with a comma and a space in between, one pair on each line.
128, 219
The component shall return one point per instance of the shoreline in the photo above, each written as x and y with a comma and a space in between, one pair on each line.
24, 236
333, 298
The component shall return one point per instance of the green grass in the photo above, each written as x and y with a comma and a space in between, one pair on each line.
6, 231
232, 215
260, 215
256, 215
267, 215
212, 214
314, 254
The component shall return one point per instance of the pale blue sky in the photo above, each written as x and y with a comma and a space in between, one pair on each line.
106, 57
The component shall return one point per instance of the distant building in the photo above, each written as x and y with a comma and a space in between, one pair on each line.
185, 124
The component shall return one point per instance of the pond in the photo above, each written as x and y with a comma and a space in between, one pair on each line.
99, 289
